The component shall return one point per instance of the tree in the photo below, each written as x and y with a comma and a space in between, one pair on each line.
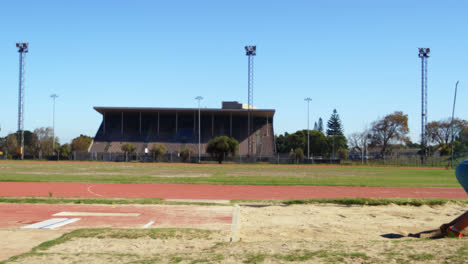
185, 153
158, 151
30, 143
81, 143
299, 155
128, 148
393, 128
315, 126
281, 144
65, 150
320, 125
336, 144
355, 142
221, 147
358, 141
11, 144
295, 140
43, 145
440, 132
334, 125
318, 143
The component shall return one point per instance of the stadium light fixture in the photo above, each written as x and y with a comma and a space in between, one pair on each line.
199, 98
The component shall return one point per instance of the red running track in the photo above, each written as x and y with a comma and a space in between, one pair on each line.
218, 217
219, 192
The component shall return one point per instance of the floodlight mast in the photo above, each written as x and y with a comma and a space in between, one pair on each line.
250, 51
23, 48
424, 55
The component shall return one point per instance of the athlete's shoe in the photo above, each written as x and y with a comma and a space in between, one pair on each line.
453, 233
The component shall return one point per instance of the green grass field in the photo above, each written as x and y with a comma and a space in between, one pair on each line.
30, 171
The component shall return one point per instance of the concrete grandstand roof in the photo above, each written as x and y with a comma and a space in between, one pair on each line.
256, 112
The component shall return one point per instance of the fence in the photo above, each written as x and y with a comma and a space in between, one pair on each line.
396, 160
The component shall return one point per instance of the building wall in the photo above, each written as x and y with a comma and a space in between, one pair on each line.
146, 129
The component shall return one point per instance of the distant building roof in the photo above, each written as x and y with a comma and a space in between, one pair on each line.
227, 107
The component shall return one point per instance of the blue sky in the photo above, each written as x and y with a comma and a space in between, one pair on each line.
359, 57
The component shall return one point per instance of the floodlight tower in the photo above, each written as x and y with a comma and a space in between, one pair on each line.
250, 51
22, 49
424, 55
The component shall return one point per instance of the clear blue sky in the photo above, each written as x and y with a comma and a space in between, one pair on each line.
359, 57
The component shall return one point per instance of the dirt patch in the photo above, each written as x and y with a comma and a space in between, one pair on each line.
277, 234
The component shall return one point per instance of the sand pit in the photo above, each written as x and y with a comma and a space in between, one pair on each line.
334, 222
293, 234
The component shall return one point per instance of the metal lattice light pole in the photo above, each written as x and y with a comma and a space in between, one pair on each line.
199, 98
424, 55
308, 149
22, 49
53, 96
250, 51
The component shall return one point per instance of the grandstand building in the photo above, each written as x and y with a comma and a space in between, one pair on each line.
177, 128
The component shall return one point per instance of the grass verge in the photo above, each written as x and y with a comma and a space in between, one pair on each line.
155, 201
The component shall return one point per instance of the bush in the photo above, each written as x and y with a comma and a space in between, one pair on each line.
158, 151
221, 147
185, 153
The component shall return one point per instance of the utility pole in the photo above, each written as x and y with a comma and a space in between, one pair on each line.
23, 48
199, 98
308, 149
53, 96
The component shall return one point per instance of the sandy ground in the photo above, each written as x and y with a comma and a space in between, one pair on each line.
16, 241
276, 234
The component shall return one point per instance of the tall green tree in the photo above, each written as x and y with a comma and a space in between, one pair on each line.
221, 147
281, 144
334, 127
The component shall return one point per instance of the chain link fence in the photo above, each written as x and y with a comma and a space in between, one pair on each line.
175, 157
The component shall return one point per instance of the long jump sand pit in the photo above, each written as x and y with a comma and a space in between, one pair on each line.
322, 233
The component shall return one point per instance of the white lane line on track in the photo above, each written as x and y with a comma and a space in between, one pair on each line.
52, 223
94, 214
150, 223
89, 190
